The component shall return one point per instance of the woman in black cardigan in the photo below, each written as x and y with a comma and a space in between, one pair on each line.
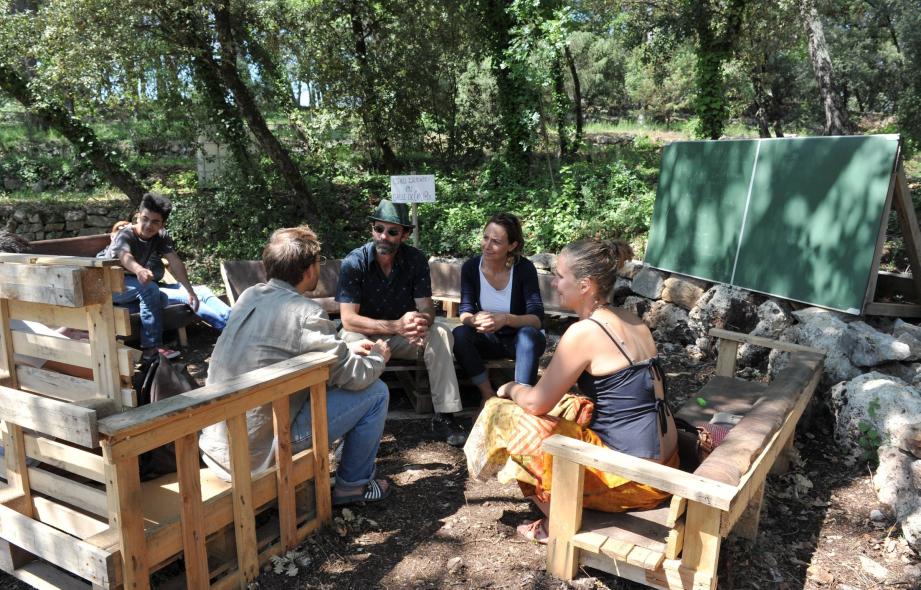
500, 309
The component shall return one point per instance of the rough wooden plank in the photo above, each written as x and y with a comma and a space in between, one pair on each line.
320, 439
51, 285
244, 517
59, 548
675, 541
565, 518
62, 420
126, 515
726, 359
7, 361
676, 509
44, 576
687, 485
226, 397
70, 317
747, 525
72, 522
69, 491
104, 351
908, 221
287, 509
645, 558
870, 293
899, 310
192, 513
17, 471
56, 260
68, 458
760, 341
702, 543
589, 541
71, 352
56, 385
626, 571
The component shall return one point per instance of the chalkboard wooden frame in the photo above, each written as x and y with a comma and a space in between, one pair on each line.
815, 208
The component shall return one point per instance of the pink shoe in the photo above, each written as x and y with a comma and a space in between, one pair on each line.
168, 352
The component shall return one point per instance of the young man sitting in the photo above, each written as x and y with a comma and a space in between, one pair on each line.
139, 248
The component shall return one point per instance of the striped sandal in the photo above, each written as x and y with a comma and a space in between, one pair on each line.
373, 492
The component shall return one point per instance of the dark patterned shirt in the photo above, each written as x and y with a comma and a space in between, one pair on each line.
362, 281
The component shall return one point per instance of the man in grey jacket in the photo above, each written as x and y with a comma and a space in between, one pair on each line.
272, 322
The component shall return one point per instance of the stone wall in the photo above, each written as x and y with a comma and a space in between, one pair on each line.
45, 221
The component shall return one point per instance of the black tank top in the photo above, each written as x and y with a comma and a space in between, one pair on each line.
627, 417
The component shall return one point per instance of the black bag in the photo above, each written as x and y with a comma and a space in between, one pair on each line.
159, 379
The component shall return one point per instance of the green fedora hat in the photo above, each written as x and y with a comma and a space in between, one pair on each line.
390, 212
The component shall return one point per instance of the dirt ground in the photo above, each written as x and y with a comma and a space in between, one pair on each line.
441, 530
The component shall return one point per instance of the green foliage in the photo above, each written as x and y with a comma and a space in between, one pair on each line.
869, 439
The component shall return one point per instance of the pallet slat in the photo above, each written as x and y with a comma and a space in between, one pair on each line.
66, 421
71, 352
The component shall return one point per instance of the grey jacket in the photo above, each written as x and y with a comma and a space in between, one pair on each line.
272, 322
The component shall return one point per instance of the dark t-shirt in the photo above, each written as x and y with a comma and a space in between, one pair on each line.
362, 281
147, 253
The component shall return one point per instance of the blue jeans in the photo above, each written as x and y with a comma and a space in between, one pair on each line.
525, 345
151, 306
210, 307
358, 417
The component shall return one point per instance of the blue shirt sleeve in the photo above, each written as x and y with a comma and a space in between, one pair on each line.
469, 287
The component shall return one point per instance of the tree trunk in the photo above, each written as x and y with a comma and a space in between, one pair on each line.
105, 158
250, 112
560, 107
370, 115
761, 101
836, 118
576, 97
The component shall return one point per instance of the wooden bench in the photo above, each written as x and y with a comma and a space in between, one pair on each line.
446, 284
175, 317
677, 546
81, 507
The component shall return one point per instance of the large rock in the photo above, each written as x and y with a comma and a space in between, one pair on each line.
683, 291
774, 317
637, 305
824, 331
622, 288
544, 262
868, 347
649, 283
898, 486
908, 372
669, 323
630, 268
874, 401
723, 307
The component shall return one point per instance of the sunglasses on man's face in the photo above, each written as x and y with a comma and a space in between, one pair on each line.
391, 231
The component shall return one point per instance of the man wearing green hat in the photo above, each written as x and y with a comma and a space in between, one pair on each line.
385, 291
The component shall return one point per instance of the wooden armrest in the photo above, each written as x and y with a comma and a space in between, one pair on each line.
761, 341
169, 411
687, 485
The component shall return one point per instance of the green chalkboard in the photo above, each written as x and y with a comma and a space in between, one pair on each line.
797, 218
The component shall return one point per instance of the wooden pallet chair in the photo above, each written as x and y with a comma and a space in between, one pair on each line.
677, 546
78, 507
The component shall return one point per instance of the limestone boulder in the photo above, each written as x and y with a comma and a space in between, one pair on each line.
544, 262
723, 307
649, 283
822, 331
868, 347
637, 305
774, 316
874, 401
898, 486
902, 327
630, 268
908, 372
684, 292
622, 288
669, 323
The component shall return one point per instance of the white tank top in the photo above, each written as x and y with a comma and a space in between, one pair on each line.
495, 300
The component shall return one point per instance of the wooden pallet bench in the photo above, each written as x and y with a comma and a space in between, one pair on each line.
175, 317
74, 512
677, 546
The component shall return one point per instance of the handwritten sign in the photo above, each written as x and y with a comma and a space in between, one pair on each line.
413, 189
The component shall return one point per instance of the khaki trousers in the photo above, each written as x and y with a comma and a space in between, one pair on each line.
439, 362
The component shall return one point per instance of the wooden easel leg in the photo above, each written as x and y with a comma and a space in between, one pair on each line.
565, 518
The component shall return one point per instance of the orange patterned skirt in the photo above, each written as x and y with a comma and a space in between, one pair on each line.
506, 441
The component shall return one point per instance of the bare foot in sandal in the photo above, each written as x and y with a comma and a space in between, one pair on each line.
534, 531
374, 491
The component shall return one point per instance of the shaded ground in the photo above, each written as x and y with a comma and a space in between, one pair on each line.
441, 530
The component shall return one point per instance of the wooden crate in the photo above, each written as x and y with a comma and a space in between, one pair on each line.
80, 506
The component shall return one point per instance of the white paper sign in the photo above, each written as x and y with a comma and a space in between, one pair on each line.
418, 188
